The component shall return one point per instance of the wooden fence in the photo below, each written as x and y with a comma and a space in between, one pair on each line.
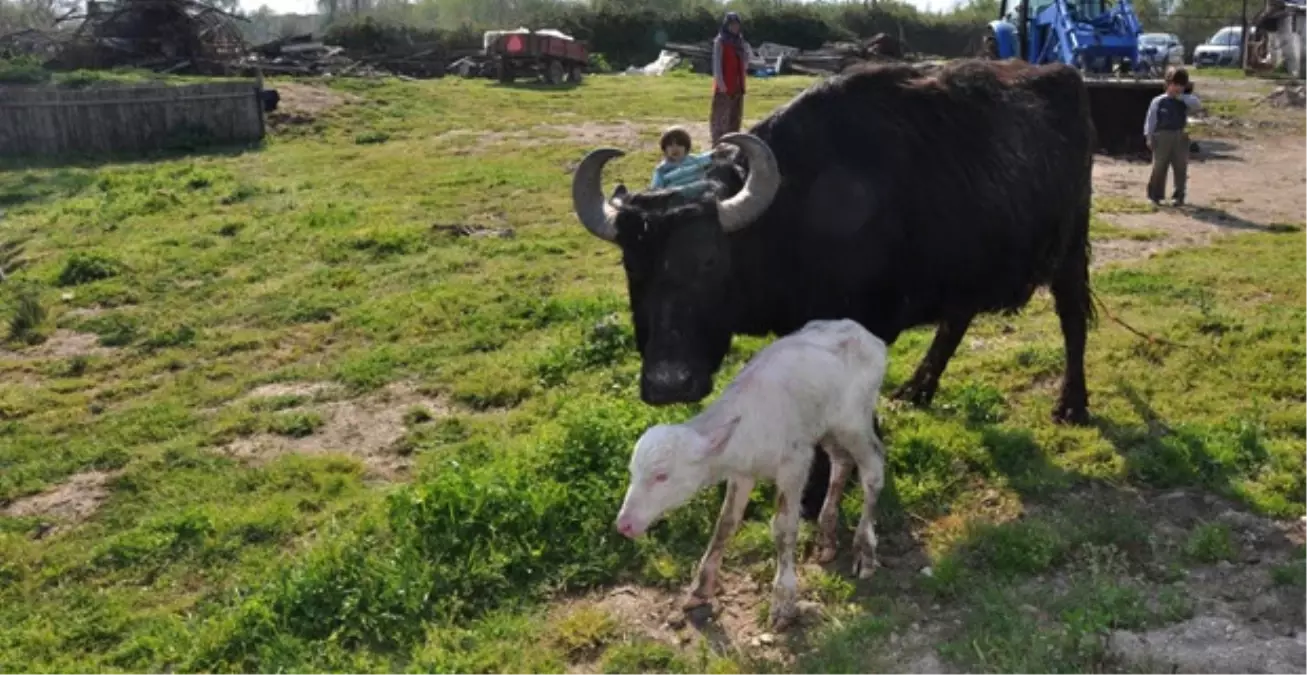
45, 121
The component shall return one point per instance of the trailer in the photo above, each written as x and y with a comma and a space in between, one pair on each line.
548, 54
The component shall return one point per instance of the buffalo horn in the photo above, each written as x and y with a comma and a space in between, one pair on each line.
595, 213
759, 189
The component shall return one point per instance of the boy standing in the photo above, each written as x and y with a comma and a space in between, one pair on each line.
1164, 132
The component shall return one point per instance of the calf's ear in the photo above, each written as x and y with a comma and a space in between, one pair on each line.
715, 439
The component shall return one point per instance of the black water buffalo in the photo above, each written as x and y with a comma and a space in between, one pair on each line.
893, 196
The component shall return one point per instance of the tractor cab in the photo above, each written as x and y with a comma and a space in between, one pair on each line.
1096, 36
1100, 38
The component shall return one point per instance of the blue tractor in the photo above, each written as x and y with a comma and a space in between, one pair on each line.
1101, 39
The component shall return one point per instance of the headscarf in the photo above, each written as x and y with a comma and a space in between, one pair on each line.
727, 37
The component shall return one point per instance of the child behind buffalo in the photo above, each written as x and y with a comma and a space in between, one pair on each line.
679, 170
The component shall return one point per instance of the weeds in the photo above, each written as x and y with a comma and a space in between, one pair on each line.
29, 315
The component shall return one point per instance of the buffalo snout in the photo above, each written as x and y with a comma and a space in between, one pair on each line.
671, 382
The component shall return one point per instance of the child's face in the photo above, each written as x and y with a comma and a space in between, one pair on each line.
675, 152
1174, 89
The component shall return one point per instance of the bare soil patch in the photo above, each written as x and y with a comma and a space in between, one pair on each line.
306, 389
368, 427
621, 134
303, 103
62, 343
1234, 186
71, 502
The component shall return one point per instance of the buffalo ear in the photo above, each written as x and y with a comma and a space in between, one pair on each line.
715, 439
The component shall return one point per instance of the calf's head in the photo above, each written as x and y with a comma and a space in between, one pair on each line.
670, 464
678, 265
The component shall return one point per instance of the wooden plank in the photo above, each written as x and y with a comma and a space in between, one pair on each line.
131, 119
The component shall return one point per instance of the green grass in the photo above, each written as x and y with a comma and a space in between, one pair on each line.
315, 259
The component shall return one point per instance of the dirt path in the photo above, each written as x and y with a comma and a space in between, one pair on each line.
1248, 175
1235, 185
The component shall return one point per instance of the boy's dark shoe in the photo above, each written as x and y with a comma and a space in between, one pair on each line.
1178, 201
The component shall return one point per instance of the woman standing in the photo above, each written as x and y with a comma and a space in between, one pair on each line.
730, 65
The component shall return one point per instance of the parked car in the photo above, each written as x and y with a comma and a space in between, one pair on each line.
1160, 50
1222, 49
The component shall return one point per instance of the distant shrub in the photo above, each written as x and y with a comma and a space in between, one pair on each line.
115, 330
598, 63
23, 70
176, 336
28, 316
371, 138
84, 268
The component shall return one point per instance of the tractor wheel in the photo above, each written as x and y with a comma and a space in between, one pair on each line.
505, 71
574, 75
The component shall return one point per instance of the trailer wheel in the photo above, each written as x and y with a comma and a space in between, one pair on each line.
574, 74
505, 71
554, 72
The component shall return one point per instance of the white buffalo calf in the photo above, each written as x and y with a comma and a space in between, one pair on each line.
817, 386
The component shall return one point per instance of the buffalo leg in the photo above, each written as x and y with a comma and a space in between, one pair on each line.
921, 388
1071, 298
815, 492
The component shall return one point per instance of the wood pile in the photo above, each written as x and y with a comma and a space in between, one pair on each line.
166, 35
830, 59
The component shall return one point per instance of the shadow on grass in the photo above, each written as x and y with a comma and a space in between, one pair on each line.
537, 85
181, 150
1224, 219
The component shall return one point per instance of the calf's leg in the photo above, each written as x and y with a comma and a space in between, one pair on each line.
785, 532
920, 389
705, 582
869, 454
1074, 310
819, 480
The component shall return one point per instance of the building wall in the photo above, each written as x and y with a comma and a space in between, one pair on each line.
1287, 48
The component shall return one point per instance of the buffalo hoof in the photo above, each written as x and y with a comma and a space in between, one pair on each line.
1072, 415
918, 395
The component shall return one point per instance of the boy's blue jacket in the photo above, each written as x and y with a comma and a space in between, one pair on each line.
688, 171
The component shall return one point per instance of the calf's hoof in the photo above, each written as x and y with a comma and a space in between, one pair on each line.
781, 618
825, 554
864, 565
694, 601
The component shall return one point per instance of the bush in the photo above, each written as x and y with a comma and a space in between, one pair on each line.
29, 314
84, 268
22, 70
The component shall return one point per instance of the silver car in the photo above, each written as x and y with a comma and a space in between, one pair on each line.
1160, 50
